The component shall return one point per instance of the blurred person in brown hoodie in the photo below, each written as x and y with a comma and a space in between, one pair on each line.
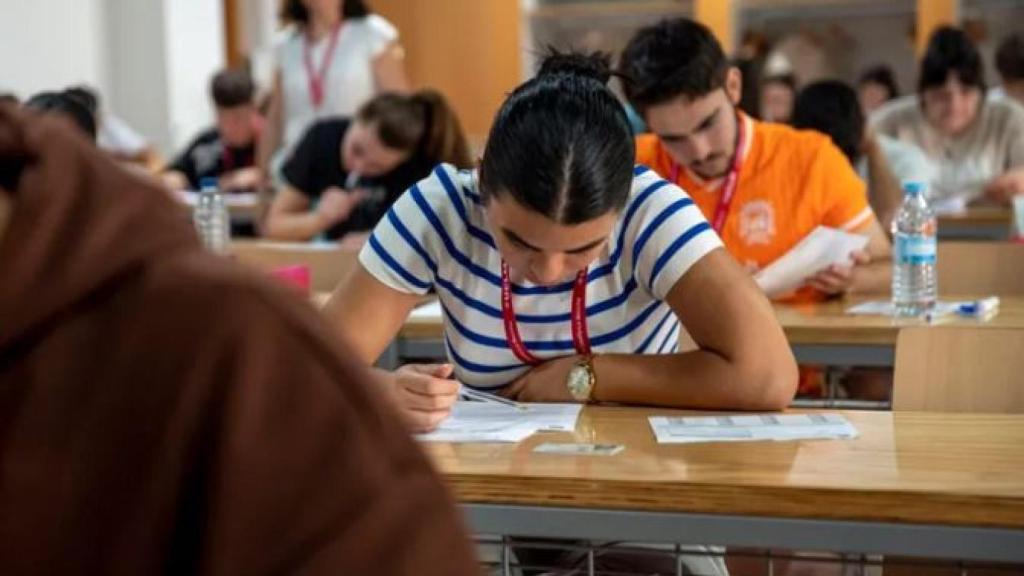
164, 412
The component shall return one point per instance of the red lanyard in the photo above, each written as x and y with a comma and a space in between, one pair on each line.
317, 79
731, 179
227, 160
580, 338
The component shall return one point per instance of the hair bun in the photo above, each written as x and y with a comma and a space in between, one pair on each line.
595, 65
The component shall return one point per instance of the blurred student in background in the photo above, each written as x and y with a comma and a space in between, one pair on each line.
68, 105
345, 173
877, 85
975, 145
778, 92
338, 56
117, 137
883, 163
226, 151
1010, 63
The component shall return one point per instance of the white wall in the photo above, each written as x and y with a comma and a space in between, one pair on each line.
50, 44
194, 45
151, 60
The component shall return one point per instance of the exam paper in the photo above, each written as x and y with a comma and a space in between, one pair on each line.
231, 200
473, 421
885, 308
750, 428
821, 248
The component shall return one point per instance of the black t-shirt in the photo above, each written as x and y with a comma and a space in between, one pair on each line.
315, 166
206, 157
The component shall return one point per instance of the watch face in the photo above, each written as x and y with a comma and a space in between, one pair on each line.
579, 382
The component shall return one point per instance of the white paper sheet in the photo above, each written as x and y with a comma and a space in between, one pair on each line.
821, 248
885, 308
750, 428
473, 421
237, 200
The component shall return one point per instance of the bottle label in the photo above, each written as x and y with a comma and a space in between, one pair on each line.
915, 249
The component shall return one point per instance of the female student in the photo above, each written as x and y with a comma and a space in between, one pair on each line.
355, 169
564, 272
339, 56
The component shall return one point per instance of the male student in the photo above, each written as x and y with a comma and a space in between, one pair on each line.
763, 186
165, 412
228, 150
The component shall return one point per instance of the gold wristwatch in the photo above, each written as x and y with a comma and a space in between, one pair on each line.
580, 380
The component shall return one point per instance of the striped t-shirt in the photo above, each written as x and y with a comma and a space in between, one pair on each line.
435, 238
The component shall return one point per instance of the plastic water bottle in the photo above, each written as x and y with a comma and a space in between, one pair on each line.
914, 288
211, 218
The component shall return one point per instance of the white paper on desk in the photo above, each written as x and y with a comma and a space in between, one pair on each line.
236, 200
818, 250
750, 428
473, 421
885, 308
430, 310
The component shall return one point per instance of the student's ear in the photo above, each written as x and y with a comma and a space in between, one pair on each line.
734, 85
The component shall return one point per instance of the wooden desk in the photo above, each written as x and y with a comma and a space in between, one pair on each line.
976, 223
917, 484
818, 333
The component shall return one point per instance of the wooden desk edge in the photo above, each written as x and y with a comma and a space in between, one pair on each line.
776, 502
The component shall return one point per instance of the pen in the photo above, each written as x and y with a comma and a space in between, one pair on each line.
485, 397
978, 308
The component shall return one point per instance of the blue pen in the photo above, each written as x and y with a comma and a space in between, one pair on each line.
978, 308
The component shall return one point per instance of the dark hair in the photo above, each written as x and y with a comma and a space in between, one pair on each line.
69, 106
561, 144
422, 123
787, 79
675, 57
882, 75
950, 51
9, 98
86, 96
231, 88
1010, 57
295, 10
831, 107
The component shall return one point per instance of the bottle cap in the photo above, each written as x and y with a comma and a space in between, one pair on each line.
206, 183
913, 187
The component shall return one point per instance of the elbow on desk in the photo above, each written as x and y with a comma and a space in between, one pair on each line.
771, 380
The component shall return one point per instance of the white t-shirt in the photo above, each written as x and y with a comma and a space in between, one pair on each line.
349, 80
435, 238
964, 165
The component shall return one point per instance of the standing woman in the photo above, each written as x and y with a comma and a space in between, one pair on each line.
565, 273
339, 56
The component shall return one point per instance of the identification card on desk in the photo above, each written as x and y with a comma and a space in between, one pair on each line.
578, 449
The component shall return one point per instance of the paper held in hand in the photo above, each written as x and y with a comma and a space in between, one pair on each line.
818, 250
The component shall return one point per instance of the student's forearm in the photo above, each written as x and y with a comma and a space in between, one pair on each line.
295, 227
698, 379
873, 278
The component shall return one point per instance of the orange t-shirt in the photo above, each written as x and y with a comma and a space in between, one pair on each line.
791, 181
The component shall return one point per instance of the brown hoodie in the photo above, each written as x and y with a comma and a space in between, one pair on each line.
163, 411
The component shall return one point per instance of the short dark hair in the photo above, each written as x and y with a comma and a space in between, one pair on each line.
87, 96
675, 57
883, 76
831, 107
561, 144
66, 105
422, 123
1010, 57
295, 10
950, 51
231, 88
9, 98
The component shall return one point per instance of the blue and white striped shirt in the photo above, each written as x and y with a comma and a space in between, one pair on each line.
435, 238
